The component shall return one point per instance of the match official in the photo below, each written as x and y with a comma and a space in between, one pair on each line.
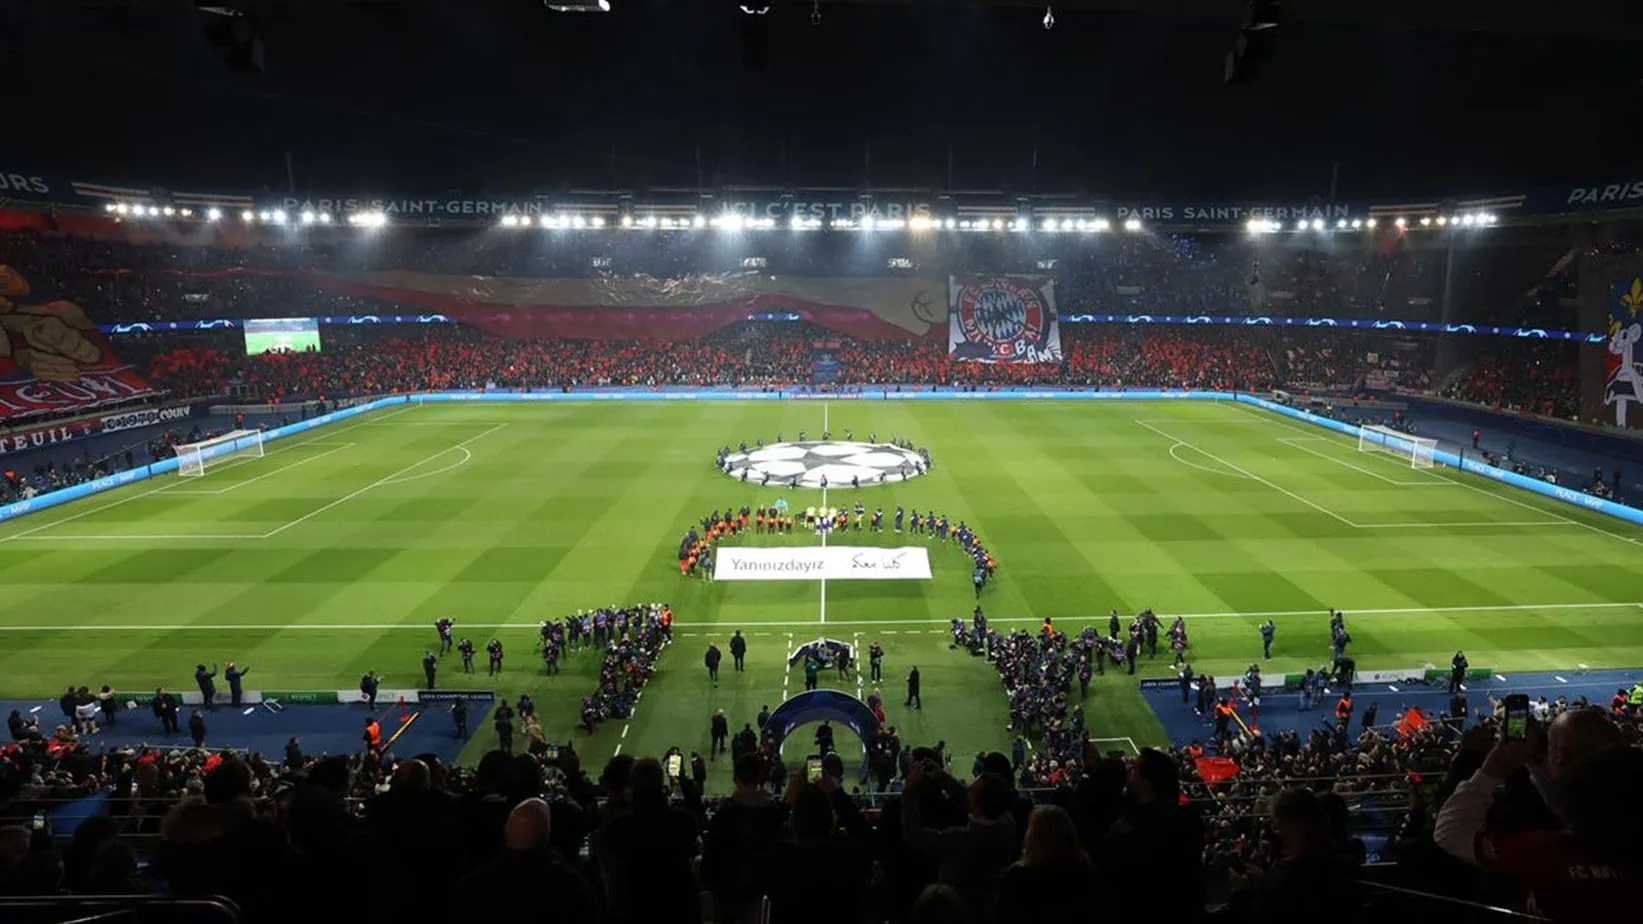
738, 650
430, 667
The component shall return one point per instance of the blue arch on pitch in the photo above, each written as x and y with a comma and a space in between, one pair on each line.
822, 705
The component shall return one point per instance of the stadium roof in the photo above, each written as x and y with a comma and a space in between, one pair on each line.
1581, 18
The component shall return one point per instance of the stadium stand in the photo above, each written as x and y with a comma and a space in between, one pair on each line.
1013, 839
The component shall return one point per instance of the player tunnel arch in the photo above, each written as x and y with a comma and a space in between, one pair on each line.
819, 706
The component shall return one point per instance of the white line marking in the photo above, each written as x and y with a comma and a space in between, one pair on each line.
1281, 490
140, 537
466, 455
1278, 421
1294, 443
1559, 678
617, 752
1201, 468
375, 484
327, 433
283, 468
1465, 523
1501, 677
1030, 620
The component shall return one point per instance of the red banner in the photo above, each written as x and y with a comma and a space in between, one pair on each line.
53, 359
1217, 769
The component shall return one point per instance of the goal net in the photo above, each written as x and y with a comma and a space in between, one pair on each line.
1417, 449
194, 458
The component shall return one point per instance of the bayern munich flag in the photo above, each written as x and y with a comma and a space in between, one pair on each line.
1002, 319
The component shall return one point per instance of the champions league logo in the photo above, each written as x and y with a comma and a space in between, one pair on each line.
837, 464
1004, 320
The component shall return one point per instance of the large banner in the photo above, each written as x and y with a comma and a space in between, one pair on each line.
822, 563
52, 358
1623, 367
1003, 319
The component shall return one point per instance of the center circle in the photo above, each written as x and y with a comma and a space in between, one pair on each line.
841, 463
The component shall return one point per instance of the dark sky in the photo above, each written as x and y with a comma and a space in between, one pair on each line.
491, 96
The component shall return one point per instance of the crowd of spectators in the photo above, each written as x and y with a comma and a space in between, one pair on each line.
638, 842
1526, 377
1388, 274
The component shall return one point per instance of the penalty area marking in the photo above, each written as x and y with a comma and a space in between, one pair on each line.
876, 623
325, 433
394, 478
191, 492
1557, 517
1202, 468
1126, 739
1294, 442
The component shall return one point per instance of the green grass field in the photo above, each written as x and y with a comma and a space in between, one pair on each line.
337, 551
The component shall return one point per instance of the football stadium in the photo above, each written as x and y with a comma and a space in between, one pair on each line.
686, 542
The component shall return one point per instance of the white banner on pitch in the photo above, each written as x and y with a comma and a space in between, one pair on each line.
822, 563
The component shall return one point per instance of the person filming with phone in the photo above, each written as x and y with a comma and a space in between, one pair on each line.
1586, 868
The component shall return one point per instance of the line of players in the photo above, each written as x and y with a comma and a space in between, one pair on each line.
696, 549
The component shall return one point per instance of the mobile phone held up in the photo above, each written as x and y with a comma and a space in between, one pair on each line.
1516, 717
813, 769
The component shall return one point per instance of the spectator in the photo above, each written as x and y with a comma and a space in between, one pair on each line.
528, 876
1157, 842
645, 854
817, 853
737, 844
1310, 874
1034, 888
971, 856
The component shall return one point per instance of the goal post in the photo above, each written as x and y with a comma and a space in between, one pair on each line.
1419, 450
193, 459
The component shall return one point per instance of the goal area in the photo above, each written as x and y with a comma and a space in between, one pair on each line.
1419, 450
193, 459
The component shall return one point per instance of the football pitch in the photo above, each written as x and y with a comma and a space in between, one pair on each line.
335, 553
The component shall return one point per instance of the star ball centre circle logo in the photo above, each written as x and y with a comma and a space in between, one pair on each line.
1003, 313
835, 463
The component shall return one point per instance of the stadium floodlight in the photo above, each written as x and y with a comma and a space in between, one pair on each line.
307, 218
279, 217
1132, 224
169, 211
578, 6
1317, 224
1401, 222
627, 221
1443, 220
194, 459
1488, 218
118, 207
510, 221
213, 214
951, 224
154, 211
1357, 223
1426, 221
1369, 223
1340, 222
108, 206
699, 221
1100, 224
248, 216
1419, 450
325, 218
598, 221
869, 223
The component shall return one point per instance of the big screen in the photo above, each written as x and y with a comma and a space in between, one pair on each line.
262, 336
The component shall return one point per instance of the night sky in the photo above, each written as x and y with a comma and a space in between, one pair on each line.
492, 97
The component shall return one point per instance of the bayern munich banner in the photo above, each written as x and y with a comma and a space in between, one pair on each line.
1002, 319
